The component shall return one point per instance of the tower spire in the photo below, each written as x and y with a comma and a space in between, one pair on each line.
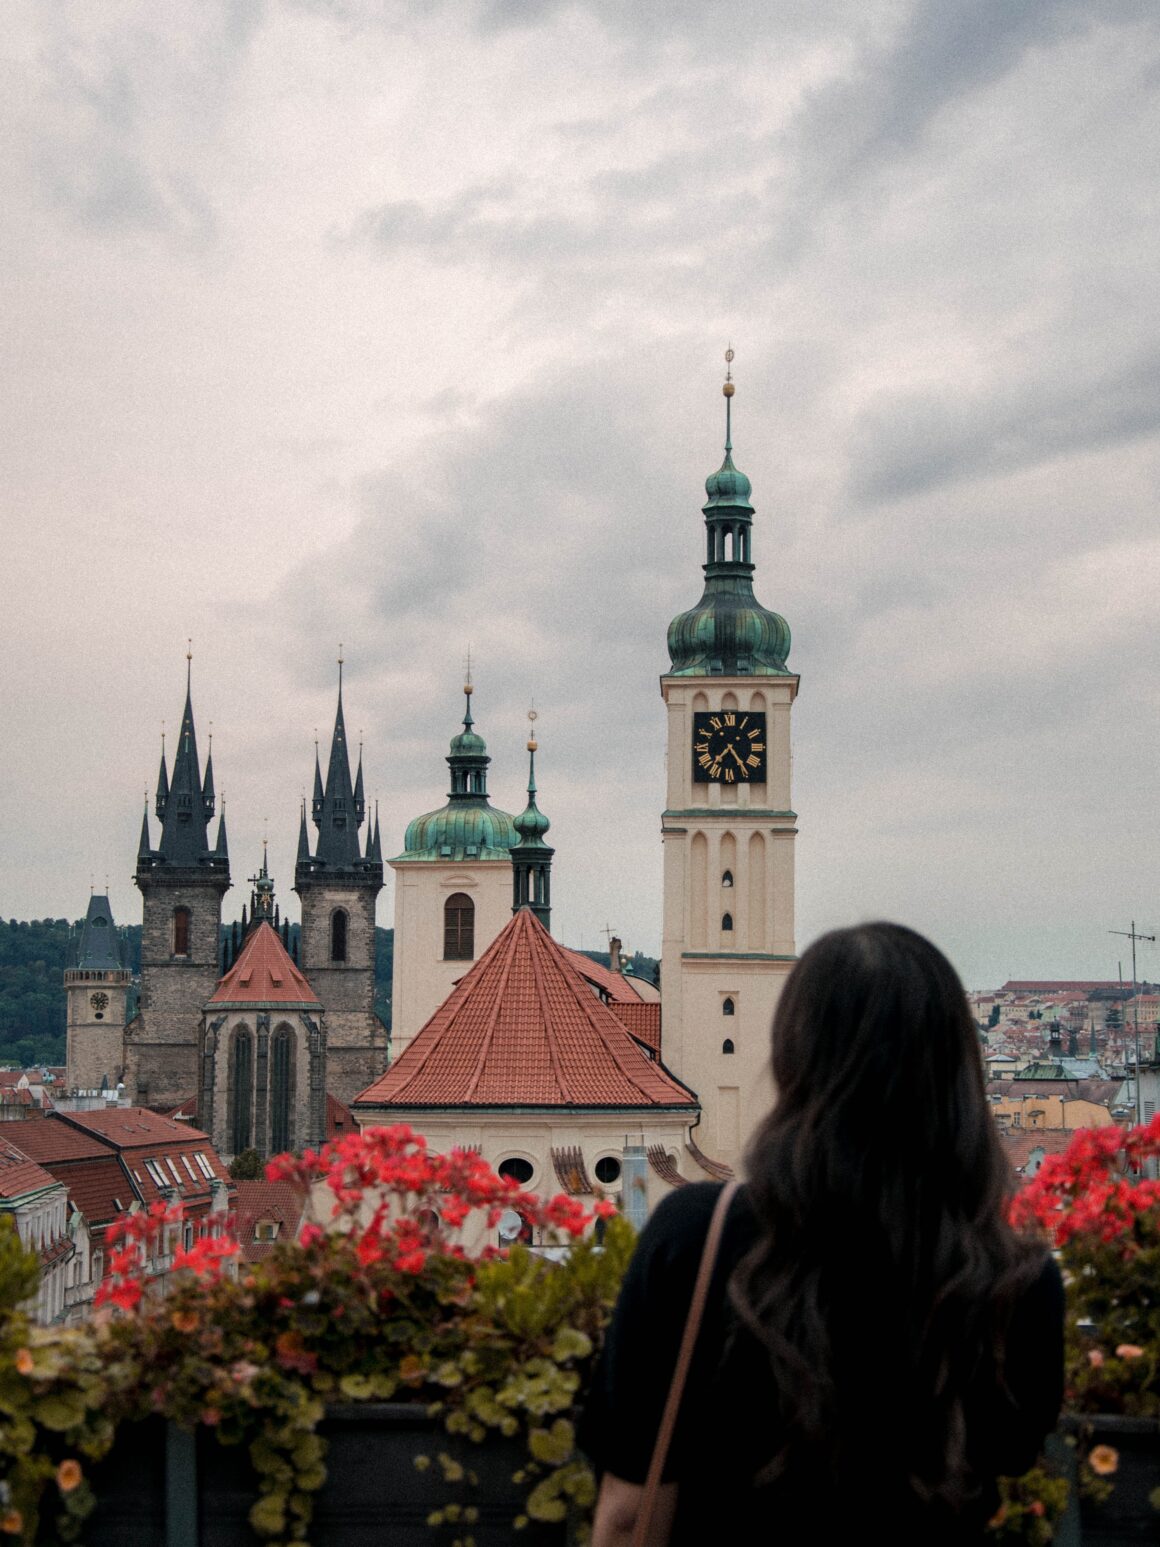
728, 633
531, 856
185, 800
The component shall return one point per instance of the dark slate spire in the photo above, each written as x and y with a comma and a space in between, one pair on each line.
338, 821
221, 851
729, 633
143, 848
207, 790
186, 808
377, 851
316, 803
303, 857
360, 805
531, 856
99, 949
162, 784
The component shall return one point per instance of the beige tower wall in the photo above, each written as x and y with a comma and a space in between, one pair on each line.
749, 830
95, 1032
356, 1038
421, 979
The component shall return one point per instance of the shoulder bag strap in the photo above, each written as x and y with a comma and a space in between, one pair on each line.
684, 1360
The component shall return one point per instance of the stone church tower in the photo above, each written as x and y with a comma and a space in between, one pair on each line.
728, 828
182, 883
96, 984
337, 886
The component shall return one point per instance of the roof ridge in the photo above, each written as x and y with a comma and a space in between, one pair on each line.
553, 1054
497, 1006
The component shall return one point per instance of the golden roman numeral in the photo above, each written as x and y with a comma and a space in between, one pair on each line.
729, 776
757, 746
730, 719
754, 733
704, 760
714, 722
700, 746
744, 723
715, 770
754, 762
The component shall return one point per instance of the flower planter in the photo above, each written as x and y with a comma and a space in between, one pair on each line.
162, 1487
1126, 1518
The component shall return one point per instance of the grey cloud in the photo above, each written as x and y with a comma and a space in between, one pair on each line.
918, 441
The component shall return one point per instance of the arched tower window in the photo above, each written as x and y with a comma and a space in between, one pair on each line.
726, 921
727, 1045
338, 935
181, 931
281, 1089
728, 1007
727, 878
458, 928
241, 1102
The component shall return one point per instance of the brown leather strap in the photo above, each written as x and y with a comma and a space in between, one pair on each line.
684, 1360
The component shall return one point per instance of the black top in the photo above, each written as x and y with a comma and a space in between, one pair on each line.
725, 1433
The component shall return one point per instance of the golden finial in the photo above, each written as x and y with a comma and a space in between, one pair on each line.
189, 649
728, 389
533, 744
467, 687
211, 737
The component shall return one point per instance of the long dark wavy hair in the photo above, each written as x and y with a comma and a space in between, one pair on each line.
885, 1272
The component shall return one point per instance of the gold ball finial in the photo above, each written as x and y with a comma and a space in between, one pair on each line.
468, 689
533, 744
728, 389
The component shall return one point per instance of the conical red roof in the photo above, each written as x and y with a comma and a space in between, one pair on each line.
264, 974
524, 1029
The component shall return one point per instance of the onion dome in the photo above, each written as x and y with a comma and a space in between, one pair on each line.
728, 633
531, 856
468, 827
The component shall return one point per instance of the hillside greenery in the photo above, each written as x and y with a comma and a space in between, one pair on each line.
34, 953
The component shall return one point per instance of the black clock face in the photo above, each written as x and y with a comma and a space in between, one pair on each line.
728, 747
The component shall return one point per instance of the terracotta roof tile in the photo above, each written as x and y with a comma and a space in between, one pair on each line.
101, 1189
339, 1119
257, 1202
129, 1128
51, 1139
264, 974
523, 1028
641, 1020
20, 1175
614, 984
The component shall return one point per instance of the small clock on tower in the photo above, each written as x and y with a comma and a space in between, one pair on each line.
728, 747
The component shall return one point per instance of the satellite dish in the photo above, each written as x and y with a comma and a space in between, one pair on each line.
510, 1225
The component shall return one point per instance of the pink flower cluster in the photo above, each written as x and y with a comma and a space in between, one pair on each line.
403, 1202
1096, 1188
398, 1204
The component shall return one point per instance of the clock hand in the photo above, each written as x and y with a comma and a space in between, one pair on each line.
734, 756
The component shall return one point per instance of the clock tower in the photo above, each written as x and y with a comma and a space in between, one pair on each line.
728, 827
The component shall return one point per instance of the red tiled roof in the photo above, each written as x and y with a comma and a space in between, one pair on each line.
50, 1139
128, 1128
339, 1119
264, 974
20, 1175
642, 1020
523, 1028
614, 984
187, 1110
257, 1202
1020, 1144
99, 1188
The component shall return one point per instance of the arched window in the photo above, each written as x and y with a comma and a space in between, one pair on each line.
181, 931
726, 921
727, 1045
281, 1089
241, 1102
338, 935
728, 1007
516, 1169
459, 928
727, 878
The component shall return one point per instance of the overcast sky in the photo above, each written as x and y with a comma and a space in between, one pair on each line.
402, 325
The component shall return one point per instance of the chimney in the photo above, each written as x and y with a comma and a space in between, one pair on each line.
614, 953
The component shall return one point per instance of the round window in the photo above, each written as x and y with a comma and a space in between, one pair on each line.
608, 1169
516, 1169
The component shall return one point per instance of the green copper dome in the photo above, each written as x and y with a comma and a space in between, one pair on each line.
728, 633
468, 827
